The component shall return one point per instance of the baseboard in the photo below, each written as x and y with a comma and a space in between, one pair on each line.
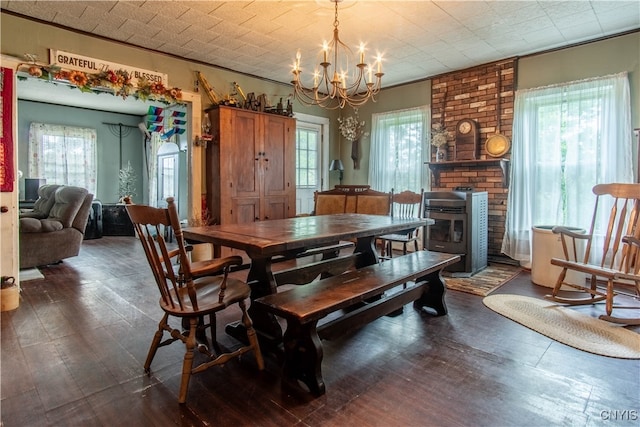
503, 259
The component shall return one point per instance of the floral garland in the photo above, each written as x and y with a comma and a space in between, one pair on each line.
439, 135
352, 128
116, 81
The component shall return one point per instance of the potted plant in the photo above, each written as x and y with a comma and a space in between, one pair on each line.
439, 138
352, 129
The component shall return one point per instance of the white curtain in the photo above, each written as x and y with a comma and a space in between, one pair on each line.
63, 155
399, 150
566, 139
152, 167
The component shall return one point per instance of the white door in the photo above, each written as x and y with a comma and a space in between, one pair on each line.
168, 182
308, 165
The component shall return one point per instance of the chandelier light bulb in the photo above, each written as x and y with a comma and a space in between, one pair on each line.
347, 80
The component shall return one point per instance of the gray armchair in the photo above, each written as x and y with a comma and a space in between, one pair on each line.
54, 229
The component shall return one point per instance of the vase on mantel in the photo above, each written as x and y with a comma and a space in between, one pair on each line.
441, 154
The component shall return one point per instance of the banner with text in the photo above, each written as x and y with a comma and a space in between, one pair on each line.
71, 61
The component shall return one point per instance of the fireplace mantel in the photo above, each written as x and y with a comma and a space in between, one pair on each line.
436, 167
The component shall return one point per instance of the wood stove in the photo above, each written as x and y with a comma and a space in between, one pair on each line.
461, 227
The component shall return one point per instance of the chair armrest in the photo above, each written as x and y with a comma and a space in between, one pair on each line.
631, 240
172, 254
214, 266
558, 229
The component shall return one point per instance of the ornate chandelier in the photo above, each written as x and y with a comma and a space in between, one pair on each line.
334, 85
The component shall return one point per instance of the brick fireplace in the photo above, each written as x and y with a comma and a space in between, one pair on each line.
473, 94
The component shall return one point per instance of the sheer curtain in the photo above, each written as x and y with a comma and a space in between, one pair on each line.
63, 155
399, 150
152, 167
566, 139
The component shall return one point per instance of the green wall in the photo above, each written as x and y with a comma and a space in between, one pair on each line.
595, 59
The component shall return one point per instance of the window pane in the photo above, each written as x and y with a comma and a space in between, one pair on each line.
63, 155
306, 158
167, 176
397, 150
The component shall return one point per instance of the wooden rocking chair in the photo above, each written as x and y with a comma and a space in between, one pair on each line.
190, 292
619, 267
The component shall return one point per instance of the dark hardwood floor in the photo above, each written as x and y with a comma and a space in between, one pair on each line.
72, 355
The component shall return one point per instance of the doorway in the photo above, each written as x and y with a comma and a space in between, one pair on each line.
311, 160
168, 173
40, 100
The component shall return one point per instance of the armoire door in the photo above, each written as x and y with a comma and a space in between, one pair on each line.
276, 207
245, 210
245, 155
278, 167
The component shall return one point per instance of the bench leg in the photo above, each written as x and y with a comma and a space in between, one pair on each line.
433, 295
303, 356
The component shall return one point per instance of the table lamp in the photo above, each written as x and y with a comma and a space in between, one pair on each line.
336, 165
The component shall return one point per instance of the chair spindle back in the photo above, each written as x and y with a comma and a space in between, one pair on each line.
170, 267
623, 220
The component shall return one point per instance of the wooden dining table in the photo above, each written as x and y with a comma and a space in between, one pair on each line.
265, 241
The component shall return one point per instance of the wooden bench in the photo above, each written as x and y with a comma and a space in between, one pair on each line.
356, 290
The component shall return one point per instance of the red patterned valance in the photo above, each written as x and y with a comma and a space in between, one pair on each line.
6, 135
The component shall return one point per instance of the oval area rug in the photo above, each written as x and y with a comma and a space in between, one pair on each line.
567, 326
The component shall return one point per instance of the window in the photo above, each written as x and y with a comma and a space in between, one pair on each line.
63, 155
168, 158
566, 139
399, 150
307, 156
311, 160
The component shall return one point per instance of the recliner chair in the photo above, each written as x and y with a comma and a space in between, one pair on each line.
55, 228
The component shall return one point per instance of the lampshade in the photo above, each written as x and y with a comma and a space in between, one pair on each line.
336, 165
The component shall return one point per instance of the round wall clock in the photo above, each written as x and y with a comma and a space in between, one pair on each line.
464, 127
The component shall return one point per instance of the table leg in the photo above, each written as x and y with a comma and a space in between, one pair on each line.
433, 296
367, 248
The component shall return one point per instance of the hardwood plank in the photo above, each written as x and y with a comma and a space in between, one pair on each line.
23, 409
87, 370
14, 371
75, 413
53, 380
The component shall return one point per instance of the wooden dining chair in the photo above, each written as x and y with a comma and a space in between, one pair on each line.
329, 203
618, 268
188, 296
406, 204
372, 202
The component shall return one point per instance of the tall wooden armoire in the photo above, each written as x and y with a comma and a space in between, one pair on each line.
250, 166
